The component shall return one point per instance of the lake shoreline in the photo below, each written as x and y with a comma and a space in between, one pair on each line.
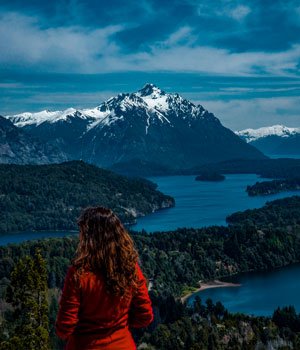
209, 285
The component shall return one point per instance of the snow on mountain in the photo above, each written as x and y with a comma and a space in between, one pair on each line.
148, 125
154, 97
27, 118
150, 98
251, 135
19, 147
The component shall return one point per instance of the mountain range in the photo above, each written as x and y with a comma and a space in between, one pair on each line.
18, 147
276, 139
149, 126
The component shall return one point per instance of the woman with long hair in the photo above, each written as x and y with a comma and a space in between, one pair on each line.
105, 292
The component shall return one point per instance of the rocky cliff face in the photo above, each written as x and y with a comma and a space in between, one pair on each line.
17, 147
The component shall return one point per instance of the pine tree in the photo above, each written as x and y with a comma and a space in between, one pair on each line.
28, 296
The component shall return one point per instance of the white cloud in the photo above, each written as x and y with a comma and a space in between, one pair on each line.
183, 33
8, 85
235, 90
238, 114
214, 61
225, 8
239, 12
25, 44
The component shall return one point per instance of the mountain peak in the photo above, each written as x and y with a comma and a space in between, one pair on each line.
275, 130
150, 89
149, 125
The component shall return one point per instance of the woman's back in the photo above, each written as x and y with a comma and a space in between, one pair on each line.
92, 316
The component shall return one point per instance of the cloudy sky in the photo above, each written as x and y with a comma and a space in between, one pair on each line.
240, 59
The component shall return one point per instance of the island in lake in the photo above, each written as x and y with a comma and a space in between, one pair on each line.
210, 176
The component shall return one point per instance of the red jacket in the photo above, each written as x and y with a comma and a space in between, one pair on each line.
89, 317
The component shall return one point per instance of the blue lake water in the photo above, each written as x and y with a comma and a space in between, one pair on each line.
260, 293
200, 204
28, 236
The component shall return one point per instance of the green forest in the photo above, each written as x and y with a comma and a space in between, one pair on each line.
50, 197
275, 186
176, 261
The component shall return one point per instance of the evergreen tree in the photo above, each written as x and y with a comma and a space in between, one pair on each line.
28, 297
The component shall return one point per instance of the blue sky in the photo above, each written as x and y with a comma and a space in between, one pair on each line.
239, 59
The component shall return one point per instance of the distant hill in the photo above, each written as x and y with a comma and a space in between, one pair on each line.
149, 126
271, 168
276, 139
18, 147
50, 197
210, 176
138, 167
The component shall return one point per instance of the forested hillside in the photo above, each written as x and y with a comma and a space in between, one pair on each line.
177, 260
283, 212
275, 186
50, 197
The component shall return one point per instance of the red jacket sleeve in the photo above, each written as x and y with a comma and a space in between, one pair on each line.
67, 317
140, 313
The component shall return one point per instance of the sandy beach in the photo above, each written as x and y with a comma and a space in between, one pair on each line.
208, 285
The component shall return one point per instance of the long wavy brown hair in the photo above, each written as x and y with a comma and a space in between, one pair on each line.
105, 247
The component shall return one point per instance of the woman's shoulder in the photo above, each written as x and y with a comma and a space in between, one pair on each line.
139, 271
78, 277
73, 269
82, 273
77, 273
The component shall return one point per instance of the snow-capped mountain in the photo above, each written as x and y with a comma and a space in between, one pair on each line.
250, 135
276, 139
17, 147
36, 119
148, 125
150, 97
61, 128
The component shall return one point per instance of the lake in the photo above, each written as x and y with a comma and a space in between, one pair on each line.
200, 204
260, 293
28, 236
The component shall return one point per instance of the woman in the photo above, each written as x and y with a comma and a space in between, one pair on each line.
105, 291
